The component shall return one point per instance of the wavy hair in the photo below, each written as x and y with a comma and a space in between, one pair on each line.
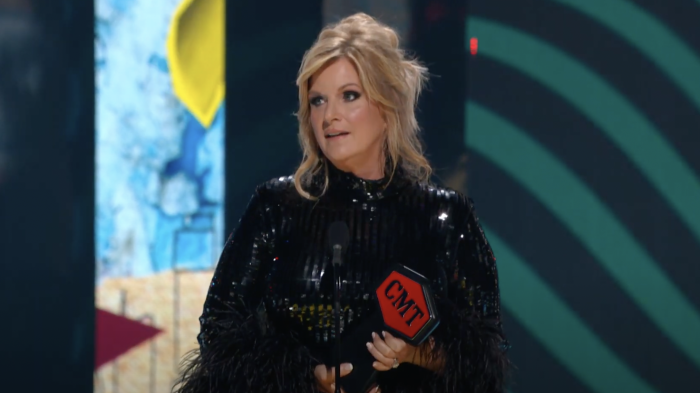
392, 81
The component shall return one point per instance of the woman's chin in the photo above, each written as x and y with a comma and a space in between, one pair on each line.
339, 160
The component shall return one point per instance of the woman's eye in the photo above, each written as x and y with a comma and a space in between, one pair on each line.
351, 95
316, 101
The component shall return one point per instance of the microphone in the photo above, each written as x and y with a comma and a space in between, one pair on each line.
338, 237
405, 307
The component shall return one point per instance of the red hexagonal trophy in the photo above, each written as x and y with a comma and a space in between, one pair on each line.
407, 305
405, 308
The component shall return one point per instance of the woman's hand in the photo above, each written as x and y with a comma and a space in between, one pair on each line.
390, 351
326, 376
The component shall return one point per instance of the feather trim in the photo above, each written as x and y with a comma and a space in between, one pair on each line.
475, 354
249, 358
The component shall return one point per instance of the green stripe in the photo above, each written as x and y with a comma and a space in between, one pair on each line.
538, 308
590, 220
651, 37
604, 106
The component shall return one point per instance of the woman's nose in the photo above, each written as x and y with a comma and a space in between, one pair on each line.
331, 112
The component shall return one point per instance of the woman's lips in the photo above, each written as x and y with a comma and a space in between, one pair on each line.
336, 134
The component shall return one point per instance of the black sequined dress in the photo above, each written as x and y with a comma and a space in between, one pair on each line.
268, 317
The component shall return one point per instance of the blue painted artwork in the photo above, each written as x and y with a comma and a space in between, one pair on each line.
160, 180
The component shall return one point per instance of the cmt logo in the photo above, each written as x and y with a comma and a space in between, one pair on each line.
403, 304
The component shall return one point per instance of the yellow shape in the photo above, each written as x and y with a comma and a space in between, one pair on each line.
195, 51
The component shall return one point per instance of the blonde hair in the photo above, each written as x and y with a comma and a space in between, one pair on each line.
389, 78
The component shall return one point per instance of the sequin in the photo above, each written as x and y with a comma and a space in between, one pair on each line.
280, 258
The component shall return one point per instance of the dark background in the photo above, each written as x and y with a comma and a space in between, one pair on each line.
47, 258
46, 178
262, 144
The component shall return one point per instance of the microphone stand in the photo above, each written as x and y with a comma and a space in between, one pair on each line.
337, 262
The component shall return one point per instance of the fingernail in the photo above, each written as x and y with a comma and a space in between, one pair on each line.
383, 334
374, 335
333, 386
346, 367
369, 345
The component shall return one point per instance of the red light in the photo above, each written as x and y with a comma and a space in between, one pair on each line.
474, 45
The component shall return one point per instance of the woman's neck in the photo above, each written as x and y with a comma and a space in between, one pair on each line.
368, 170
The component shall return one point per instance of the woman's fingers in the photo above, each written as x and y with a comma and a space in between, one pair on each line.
327, 374
380, 366
345, 369
382, 346
321, 372
394, 343
375, 390
379, 356
333, 388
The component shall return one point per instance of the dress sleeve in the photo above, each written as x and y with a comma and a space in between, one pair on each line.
470, 338
239, 349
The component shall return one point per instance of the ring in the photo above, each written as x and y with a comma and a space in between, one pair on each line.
396, 363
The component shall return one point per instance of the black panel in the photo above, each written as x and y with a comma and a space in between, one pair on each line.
47, 259
261, 130
437, 39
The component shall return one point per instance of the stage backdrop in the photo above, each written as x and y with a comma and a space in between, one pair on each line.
582, 133
159, 183
47, 258
575, 126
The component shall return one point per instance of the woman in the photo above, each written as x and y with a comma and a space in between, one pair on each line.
267, 320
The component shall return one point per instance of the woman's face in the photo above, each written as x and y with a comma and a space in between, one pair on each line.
348, 127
